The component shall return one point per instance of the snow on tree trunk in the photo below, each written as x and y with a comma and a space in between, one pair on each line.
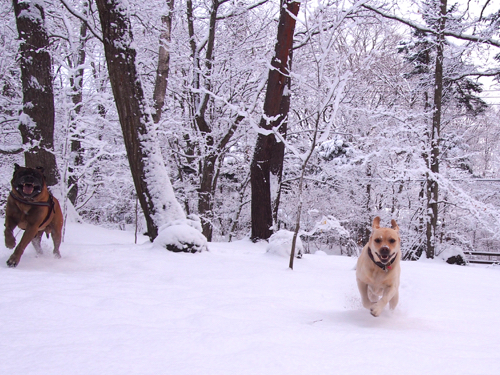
76, 80
163, 63
37, 120
149, 173
435, 133
262, 215
278, 152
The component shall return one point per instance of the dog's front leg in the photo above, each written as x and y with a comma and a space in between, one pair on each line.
378, 307
28, 235
363, 290
10, 239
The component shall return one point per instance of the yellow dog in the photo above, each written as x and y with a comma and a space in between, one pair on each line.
378, 268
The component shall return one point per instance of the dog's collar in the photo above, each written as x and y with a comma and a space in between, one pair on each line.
49, 203
24, 201
387, 266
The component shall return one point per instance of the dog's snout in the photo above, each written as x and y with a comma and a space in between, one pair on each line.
28, 179
384, 250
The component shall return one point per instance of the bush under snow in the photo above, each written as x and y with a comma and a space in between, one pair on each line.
182, 236
280, 243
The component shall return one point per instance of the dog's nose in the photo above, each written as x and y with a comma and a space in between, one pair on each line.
385, 251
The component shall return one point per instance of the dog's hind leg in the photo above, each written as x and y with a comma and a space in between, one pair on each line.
56, 238
37, 243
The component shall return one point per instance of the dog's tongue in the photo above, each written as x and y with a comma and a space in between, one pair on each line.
28, 189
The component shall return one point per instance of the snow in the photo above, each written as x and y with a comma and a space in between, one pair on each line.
112, 307
280, 243
182, 234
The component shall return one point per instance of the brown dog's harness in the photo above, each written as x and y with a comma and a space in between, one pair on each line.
385, 266
49, 203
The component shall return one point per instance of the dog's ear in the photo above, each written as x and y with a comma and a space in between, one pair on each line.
394, 225
16, 167
40, 169
376, 223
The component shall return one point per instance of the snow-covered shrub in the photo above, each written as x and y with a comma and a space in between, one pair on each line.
182, 236
452, 254
335, 149
280, 243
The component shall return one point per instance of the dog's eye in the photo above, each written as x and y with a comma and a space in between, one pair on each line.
378, 240
392, 240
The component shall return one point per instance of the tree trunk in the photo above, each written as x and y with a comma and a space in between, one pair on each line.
37, 120
151, 181
163, 63
278, 151
205, 194
301, 190
77, 97
432, 184
261, 210
214, 150
209, 177
365, 230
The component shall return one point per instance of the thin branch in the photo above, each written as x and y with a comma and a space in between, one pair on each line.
482, 10
240, 12
477, 74
471, 38
11, 152
82, 18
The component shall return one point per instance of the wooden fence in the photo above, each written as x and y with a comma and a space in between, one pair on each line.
491, 258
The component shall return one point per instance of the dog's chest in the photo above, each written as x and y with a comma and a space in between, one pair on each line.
27, 214
24, 210
377, 277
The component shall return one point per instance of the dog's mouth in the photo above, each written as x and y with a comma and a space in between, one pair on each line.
28, 189
384, 258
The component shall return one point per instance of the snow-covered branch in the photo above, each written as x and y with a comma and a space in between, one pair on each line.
446, 32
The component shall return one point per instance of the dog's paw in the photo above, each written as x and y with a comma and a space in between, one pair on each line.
376, 310
13, 261
57, 255
10, 241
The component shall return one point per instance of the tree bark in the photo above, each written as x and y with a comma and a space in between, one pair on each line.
214, 149
278, 152
77, 97
209, 177
37, 121
261, 210
301, 190
148, 171
432, 184
163, 63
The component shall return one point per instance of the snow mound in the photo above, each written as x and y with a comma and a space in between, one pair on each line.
182, 236
452, 254
280, 244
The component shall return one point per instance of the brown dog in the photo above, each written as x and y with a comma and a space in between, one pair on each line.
378, 268
31, 207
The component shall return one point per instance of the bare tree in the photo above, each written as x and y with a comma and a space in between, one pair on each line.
434, 136
76, 81
37, 119
262, 215
153, 187
213, 137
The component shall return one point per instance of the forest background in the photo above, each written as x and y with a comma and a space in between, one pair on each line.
380, 109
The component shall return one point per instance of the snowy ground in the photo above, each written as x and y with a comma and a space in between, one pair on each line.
111, 307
